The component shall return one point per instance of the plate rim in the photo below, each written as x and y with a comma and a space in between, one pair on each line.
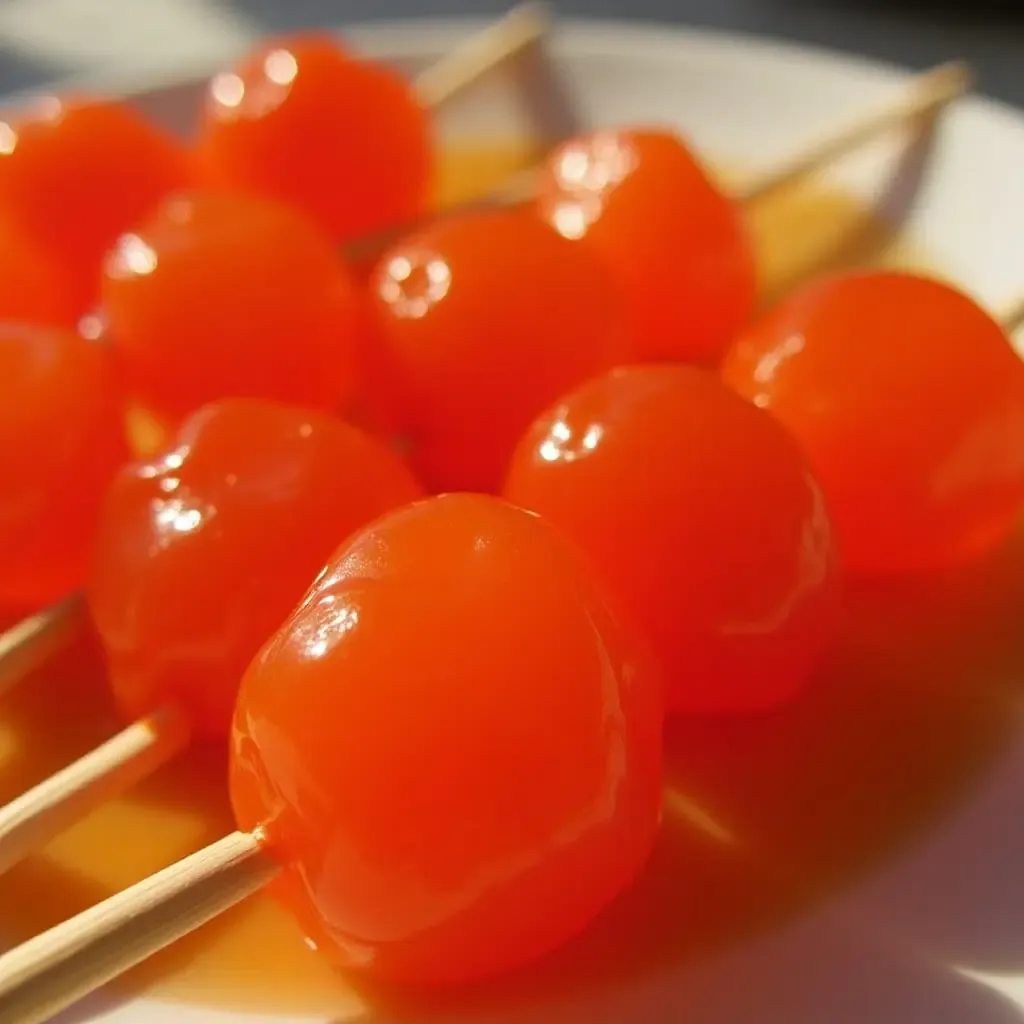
405, 37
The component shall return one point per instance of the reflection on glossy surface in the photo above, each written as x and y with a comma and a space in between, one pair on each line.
701, 515
62, 440
301, 120
676, 246
908, 401
231, 96
204, 550
414, 282
585, 171
131, 257
457, 747
485, 318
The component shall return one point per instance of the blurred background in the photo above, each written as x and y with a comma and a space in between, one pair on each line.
45, 40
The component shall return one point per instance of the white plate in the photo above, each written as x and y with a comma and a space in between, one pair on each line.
935, 933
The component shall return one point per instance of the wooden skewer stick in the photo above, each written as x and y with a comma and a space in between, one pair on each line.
33, 640
55, 969
491, 48
30, 643
31, 820
929, 93
43, 811
1012, 318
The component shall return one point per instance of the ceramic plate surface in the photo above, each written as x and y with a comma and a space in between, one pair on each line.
934, 932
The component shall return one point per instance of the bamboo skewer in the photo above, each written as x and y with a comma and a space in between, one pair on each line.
55, 969
929, 93
494, 46
1012, 319
32, 819
32, 642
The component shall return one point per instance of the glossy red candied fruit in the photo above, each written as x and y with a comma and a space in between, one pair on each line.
676, 244
75, 174
908, 401
61, 442
454, 744
33, 286
221, 295
203, 551
703, 520
305, 121
483, 320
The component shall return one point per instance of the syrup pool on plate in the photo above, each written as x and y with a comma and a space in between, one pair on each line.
764, 816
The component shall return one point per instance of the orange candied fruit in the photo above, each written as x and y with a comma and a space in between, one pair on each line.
61, 442
221, 295
75, 174
675, 243
484, 319
908, 401
303, 120
453, 743
703, 520
203, 551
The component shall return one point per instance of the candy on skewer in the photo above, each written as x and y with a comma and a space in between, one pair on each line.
919, 448
18, 826
677, 244
450, 830
727, 561
304, 121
